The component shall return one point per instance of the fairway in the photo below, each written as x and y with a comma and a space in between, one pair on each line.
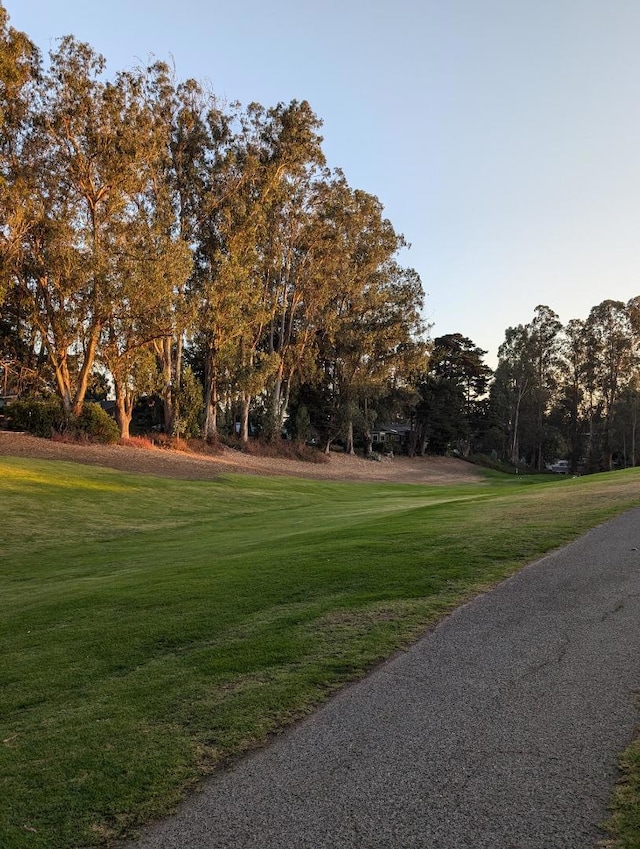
154, 628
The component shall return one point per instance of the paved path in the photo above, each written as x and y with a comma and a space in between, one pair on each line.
499, 730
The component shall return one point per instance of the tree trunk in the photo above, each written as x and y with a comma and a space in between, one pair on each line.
422, 439
85, 371
211, 420
368, 441
607, 454
515, 448
124, 410
413, 442
275, 424
633, 434
285, 402
164, 353
211, 398
63, 383
280, 402
244, 422
348, 448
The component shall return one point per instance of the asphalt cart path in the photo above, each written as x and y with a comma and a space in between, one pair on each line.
501, 729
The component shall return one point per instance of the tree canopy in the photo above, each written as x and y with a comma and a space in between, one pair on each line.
146, 225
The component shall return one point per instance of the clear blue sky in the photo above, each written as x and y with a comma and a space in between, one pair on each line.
502, 136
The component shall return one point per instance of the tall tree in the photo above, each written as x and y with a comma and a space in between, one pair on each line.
19, 73
610, 340
85, 153
572, 391
515, 375
372, 330
253, 254
544, 353
293, 266
182, 112
451, 390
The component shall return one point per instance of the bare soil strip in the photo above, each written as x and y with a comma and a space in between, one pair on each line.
432, 471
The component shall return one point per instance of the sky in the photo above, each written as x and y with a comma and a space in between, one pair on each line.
501, 136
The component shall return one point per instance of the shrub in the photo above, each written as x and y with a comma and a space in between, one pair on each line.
281, 449
143, 442
210, 447
171, 443
189, 406
96, 425
39, 417
48, 418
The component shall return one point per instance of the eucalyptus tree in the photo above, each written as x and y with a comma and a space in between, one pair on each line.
371, 333
20, 349
573, 397
526, 381
260, 177
183, 112
612, 360
146, 266
148, 259
624, 436
544, 352
19, 74
232, 300
295, 267
514, 379
387, 348
90, 139
628, 405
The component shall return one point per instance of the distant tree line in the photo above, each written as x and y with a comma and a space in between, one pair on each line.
569, 391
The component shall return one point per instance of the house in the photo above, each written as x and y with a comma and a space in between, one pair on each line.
390, 437
5, 400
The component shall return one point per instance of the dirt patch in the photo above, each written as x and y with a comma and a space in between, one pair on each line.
190, 466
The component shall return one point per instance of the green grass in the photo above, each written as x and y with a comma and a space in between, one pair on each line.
153, 628
625, 822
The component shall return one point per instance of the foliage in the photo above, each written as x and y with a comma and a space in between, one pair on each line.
144, 216
568, 391
302, 425
96, 424
189, 406
39, 417
149, 227
450, 407
48, 417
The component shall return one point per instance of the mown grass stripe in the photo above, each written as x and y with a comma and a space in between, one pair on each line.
153, 628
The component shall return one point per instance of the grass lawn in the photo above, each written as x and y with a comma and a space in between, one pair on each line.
153, 628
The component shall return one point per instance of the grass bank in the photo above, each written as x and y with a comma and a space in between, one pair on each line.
154, 628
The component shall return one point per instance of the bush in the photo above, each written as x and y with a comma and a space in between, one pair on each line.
96, 425
48, 418
41, 418
171, 443
143, 442
280, 449
189, 416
